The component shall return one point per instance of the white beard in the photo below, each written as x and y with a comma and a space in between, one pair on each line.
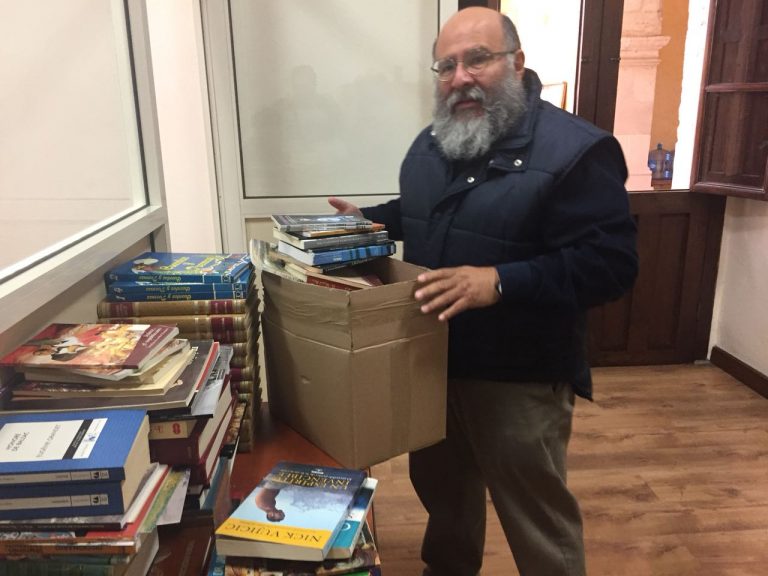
464, 139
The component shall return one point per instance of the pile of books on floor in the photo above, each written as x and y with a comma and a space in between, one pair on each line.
207, 296
183, 385
328, 249
301, 520
78, 493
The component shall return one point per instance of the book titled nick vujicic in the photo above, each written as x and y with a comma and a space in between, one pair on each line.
294, 513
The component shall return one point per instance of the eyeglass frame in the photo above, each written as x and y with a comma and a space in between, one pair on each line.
491, 56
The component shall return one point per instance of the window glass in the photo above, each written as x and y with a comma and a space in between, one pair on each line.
70, 159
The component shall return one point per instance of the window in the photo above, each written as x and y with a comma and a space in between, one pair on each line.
733, 144
80, 179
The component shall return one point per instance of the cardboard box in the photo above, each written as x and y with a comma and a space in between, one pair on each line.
360, 374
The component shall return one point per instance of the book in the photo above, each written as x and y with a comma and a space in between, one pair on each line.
364, 560
201, 472
126, 541
279, 259
337, 241
374, 227
318, 258
346, 278
149, 292
75, 447
88, 345
105, 308
300, 222
190, 323
152, 373
294, 513
188, 450
344, 544
169, 267
184, 548
134, 565
176, 401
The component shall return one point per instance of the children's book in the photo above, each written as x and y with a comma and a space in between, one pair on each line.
318, 258
92, 345
71, 447
294, 513
304, 222
181, 267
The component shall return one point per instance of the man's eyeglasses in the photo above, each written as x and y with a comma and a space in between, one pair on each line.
474, 61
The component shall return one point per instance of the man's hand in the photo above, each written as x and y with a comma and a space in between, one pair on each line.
344, 207
457, 289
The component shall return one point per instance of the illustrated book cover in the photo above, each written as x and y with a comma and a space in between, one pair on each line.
90, 345
294, 513
181, 267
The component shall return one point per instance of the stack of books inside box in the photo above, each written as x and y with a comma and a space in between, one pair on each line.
207, 296
326, 249
301, 520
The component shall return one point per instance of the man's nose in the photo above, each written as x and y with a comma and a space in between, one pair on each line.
461, 77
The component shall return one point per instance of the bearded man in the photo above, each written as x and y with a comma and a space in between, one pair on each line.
519, 210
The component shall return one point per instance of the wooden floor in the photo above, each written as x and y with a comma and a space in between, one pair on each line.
670, 465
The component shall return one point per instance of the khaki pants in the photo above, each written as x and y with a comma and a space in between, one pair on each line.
511, 438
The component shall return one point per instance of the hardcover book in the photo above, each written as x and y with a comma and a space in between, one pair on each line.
302, 222
89, 345
148, 291
294, 513
181, 267
190, 323
318, 258
74, 447
105, 309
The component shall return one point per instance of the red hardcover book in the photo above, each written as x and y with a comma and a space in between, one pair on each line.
188, 451
201, 472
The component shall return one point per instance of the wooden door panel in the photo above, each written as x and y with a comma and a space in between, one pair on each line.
665, 318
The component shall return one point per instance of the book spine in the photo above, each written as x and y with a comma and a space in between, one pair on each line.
107, 309
177, 451
328, 283
212, 323
171, 429
199, 291
91, 475
47, 548
344, 241
228, 337
175, 278
23, 502
39, 566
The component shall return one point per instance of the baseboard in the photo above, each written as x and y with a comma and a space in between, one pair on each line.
743, 372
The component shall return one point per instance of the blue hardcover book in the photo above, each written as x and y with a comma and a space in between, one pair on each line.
331, 256
294, 513
169, 267
131, 291
72, 447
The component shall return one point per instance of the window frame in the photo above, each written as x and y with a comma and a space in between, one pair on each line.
37, 285
705, 125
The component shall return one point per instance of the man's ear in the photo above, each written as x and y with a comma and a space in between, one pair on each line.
519, 63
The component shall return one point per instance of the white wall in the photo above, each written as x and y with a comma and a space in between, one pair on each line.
740, 322
182, 108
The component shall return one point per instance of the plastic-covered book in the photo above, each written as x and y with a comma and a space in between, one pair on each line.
306, 222
294, 513
181, 267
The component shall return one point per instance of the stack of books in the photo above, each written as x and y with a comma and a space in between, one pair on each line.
78, 493
301, 519
207, 296
327, 249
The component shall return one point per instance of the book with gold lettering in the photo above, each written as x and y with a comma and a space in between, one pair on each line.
294, 513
